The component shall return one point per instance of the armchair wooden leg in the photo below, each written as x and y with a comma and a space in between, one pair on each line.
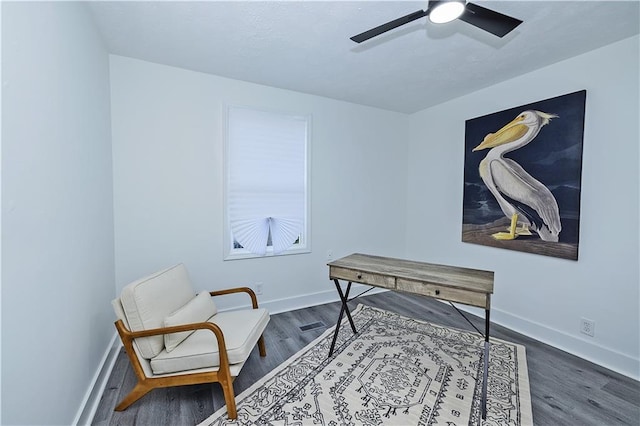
138, 392
261, 346
229, 398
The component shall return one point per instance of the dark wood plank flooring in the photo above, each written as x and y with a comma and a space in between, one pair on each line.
565, 389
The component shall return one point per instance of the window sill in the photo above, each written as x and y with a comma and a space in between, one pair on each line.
237, 254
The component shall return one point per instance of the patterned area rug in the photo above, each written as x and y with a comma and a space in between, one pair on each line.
395, 371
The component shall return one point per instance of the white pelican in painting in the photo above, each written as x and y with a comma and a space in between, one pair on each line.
521, 197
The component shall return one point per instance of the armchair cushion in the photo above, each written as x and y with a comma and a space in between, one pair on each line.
241, 330
149, 300
199, 309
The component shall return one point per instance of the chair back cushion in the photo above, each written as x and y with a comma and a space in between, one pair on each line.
144, 363
117, 308
198, 309
149, 300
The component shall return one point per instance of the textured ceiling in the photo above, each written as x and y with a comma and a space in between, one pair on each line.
304, 45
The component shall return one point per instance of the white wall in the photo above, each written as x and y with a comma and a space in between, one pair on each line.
167, 154
541, 296
57, 211
57, 204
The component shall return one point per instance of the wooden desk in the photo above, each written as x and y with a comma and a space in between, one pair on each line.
463, 285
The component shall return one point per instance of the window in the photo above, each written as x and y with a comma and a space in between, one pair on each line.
266, 183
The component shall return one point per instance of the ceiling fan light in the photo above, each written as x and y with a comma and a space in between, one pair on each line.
446, 11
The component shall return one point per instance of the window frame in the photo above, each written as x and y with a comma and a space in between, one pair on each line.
304, 245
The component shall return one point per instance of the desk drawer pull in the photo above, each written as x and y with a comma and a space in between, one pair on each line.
437, 292
359, 276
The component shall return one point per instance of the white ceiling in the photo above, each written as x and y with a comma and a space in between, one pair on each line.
304, 45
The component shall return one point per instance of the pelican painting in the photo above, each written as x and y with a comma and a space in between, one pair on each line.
522, 177
521, 197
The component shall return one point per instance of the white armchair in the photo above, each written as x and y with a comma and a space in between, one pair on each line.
174, 336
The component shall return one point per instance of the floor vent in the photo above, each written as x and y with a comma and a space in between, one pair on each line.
312, 326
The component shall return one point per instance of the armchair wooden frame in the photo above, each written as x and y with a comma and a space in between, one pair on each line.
222, 375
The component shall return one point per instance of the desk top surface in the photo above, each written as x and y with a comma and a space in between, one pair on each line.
454, 276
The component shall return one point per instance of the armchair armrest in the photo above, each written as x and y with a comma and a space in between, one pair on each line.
169, 330
251, 293
128, 336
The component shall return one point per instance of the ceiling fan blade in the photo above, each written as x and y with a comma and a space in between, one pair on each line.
489, 20
388, 26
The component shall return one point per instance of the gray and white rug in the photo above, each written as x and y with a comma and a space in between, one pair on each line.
395, 371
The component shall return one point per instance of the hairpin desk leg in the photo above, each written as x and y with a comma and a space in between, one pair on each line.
344, 298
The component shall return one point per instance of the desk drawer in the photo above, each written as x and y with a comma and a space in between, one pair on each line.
362, 277
452, 294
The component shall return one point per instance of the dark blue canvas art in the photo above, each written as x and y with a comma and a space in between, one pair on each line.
522, 177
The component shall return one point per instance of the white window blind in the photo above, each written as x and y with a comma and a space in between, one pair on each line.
266, 195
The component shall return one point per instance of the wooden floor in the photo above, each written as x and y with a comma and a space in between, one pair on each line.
565, 390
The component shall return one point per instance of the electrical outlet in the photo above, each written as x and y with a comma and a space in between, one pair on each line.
329, 255
587, 327
258, 287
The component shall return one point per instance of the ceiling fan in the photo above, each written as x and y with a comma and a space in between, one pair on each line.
442, 11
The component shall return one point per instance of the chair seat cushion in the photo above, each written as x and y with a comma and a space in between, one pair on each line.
241, 330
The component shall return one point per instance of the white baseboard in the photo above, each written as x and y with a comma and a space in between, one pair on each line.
314, 299
306, 300
90, 403
578, 346
575, 345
